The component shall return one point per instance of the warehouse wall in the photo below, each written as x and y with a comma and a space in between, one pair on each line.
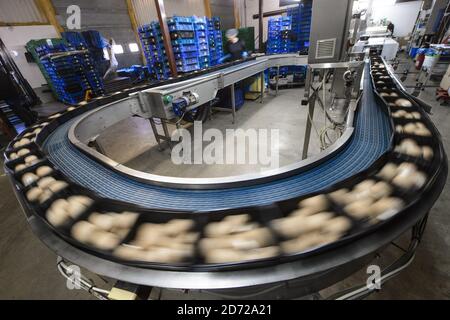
146, 10
402, 15
110, 18
251, 7
15, 39
20, 11
225, 10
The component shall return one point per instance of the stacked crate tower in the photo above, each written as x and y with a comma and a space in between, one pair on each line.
301, 26
214, 40
155, 54
93, 41
279, 41
196, 44
184, 43
201, 36
290, 34
70, 70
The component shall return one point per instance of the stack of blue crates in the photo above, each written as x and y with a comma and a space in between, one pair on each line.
214, 40
135, 72
301, 26
74, 38
94, 42
279, 40
201, 35
290, 33
184, 43
72, 73
196, 44
155, 54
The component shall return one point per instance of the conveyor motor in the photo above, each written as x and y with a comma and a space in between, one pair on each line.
180, 104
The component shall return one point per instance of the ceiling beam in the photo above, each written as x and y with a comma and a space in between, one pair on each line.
21, 24
46, 8
260, 24
270, 13
237, 19
208, 11
134, 25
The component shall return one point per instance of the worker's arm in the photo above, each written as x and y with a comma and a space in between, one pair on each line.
224, 58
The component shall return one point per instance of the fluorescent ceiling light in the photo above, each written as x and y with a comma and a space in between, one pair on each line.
133, 47
105, 53
118, 49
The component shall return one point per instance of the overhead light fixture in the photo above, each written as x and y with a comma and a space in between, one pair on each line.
105, 53
133, 47
117, 48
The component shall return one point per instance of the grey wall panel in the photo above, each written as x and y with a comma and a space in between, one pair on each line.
225, 10
330, 23
20, 11
146, 10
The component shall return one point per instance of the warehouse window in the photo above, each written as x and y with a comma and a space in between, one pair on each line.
118, 49
105, 54
133, 47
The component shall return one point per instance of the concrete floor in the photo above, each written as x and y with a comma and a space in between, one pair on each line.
28, 268
282, 113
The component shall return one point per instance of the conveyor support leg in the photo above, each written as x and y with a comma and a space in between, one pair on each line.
277, 79
159, 137
262, 87
233, 103
309, 118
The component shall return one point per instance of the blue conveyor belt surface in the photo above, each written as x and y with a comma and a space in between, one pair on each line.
369, 141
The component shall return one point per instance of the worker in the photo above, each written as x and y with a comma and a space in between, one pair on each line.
235, 47
390, 28
113, 64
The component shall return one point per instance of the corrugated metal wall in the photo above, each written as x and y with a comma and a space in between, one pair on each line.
251, 7
225, 10
20, 11
146, 11
110, 18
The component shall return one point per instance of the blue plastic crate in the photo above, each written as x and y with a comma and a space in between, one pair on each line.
187, 55
180, 48
185, 61
183, 42
225, 98
181, 27
188, 68
203, 53
180, 19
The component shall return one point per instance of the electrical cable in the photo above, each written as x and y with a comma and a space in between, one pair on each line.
382, 280
84, 283
336, 127
364, 290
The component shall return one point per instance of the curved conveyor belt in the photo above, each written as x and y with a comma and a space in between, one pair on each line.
370, 140
316, 267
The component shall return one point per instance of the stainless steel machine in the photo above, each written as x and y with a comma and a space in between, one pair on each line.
329, 60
